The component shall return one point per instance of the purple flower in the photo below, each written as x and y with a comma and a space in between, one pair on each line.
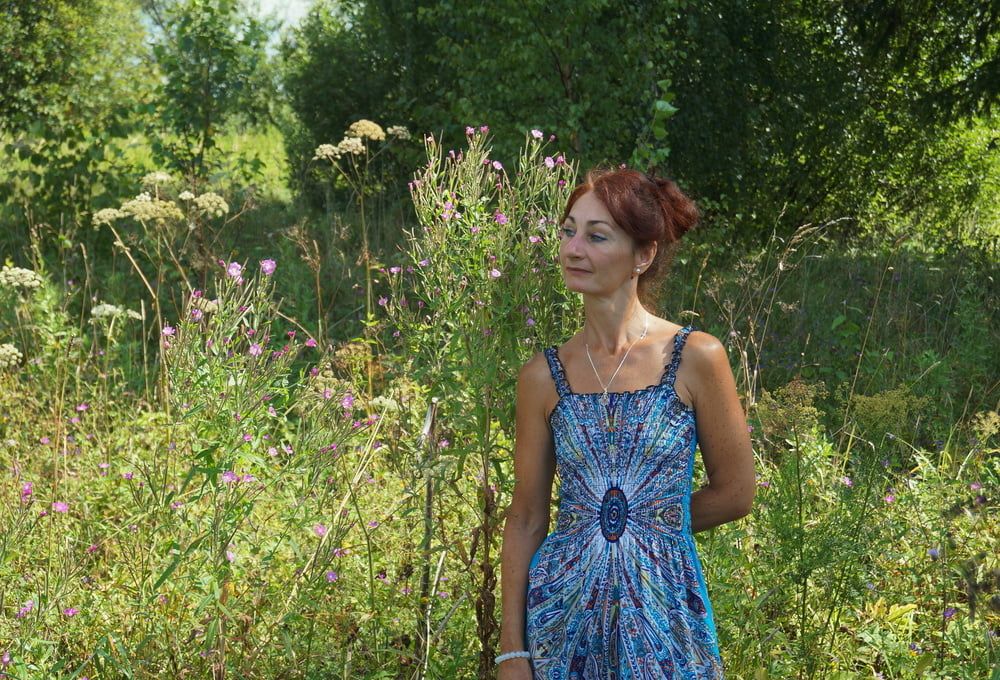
127, 475
395, 270
500, 218
530, 321
535, 239
59, 506
424, 262
256, 350
497, 165
469, 130
846, 481
320, 530
372, 524
82, 407
26, 609
383, 301
537, 134
230, 554
230, 477
71, 611
268, 266
484, 129
948, 613
26, 490
933, 552
234, 270
975, 486
348, 401
196, 314
339, 552
169, 330
549, 163
331, 576
495, 273
890, 498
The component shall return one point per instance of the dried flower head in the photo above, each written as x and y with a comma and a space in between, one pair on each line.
366, 129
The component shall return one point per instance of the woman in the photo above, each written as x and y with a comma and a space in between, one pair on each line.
617, 591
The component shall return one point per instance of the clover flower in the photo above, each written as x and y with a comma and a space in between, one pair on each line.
366, 129
17, 277
399, 132
211, 204
10, 356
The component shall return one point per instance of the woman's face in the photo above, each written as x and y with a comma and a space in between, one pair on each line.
596, 256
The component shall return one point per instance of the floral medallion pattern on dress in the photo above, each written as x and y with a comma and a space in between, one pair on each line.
616, 592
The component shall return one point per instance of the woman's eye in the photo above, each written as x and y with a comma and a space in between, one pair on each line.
597, 238
566, 231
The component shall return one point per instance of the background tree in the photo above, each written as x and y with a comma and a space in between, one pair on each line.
211, 54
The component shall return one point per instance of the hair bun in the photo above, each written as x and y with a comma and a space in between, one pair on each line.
680, 212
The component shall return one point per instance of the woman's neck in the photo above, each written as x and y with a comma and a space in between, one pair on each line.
611, 325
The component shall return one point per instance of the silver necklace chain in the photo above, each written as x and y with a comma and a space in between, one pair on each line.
604, 396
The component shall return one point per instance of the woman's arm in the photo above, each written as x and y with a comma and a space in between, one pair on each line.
723, 435
527, 520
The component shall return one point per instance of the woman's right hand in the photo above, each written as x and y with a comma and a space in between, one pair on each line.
514, 669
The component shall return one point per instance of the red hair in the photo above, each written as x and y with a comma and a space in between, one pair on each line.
647, 208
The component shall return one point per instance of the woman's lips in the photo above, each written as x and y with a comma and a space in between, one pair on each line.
577, 271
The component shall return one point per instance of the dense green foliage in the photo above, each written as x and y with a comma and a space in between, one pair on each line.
213, 65
786, 112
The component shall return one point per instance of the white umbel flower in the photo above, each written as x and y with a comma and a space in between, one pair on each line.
398, 131
157, 179
212, 204
10, 356
19, 279
366, 129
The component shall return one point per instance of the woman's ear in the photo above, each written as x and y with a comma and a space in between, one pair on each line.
647, 255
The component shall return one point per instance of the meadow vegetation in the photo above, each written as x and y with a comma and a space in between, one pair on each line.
257, 363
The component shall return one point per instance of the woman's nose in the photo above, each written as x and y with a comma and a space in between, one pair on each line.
571, 246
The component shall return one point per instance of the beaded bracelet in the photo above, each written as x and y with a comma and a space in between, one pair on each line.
512, 655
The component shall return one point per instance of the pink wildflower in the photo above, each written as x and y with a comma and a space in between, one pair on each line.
256, 350
320, 530
234, 270
268, 266
169, 330
59, 506
310, 343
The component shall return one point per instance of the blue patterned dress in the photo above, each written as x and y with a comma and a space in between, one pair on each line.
617, 591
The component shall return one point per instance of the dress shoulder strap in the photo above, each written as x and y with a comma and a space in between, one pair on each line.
556, 369
680, 337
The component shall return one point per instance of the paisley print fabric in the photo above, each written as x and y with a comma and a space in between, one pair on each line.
616, 592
